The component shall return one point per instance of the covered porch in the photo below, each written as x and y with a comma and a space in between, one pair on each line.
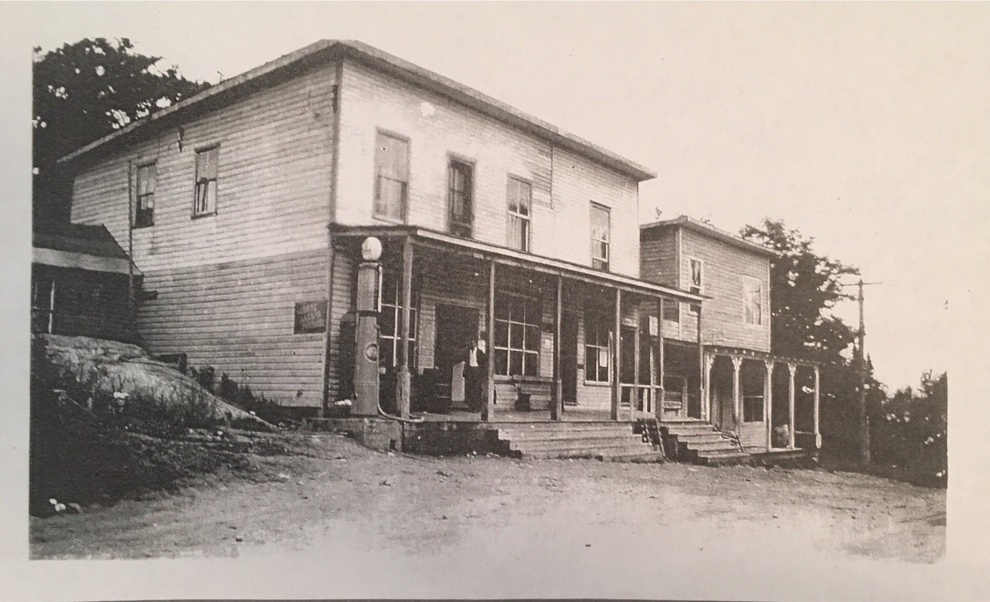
770, 404
561, 341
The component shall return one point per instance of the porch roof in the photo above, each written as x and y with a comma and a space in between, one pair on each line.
762, 355
505, 256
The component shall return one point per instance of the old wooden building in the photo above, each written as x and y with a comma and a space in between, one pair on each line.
246, 207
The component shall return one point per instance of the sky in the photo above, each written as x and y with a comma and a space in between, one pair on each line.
865, 126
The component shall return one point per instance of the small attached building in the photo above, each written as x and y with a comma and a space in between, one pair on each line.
80, 283
743, 394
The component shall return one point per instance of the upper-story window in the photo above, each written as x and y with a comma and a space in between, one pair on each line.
520, 195
753, 301
697, 268
460, 192
601, 236
391, 176
144, 208
205, 201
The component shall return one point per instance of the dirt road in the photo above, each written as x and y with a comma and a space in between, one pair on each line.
518, 527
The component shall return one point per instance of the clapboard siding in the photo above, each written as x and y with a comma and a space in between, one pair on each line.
230, 316
437, 128
725, 268
753, 435
273, 181
659, 259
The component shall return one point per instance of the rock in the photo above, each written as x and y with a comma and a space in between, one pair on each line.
238, 539
385, 483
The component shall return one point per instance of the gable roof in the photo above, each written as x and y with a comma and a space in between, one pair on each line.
326, 51
701, 227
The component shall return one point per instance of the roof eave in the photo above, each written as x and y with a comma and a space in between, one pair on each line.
684, 221
333, 49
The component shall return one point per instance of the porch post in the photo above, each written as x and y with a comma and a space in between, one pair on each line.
634, 396
658, 402
736, 392
792, 369
707, 401
558, 389
616, 355
404, 382
818, 435
768, 401
489, 408
701, 368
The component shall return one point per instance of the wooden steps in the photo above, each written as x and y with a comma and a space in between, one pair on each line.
607, 440
699, 442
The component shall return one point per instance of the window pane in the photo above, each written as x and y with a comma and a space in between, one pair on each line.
524, 198
599, 222
387, 322
515, 363
390, 288
386, 352
392, 157
502, 308
533, 338
516, 336
501, 362
529, 367
390, 197
501, 334
696, 273
206, 164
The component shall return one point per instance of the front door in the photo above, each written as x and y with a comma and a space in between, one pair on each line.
568, 357
455, 327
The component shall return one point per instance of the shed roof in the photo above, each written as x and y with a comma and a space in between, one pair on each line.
701, 227
326, 51
80, 246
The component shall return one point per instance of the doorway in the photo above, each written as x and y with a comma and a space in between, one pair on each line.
455, 327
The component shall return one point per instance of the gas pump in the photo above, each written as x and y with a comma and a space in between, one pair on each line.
366, 330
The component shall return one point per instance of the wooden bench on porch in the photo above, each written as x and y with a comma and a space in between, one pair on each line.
524, 393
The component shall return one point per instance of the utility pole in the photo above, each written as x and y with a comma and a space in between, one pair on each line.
864, 418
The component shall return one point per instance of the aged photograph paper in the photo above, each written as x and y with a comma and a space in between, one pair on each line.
478, 300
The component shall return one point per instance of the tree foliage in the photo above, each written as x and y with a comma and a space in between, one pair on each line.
910, 431
82, 92
805, 287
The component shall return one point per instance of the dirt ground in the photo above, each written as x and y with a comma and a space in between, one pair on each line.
512, 524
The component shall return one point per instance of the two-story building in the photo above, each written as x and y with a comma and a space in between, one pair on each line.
245, 208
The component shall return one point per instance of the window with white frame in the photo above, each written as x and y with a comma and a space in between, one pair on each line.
205, 201
601, 236
144, 207
753, 301
597, 347
697, 273
390, 321
391, 176
520, 195
517, 335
